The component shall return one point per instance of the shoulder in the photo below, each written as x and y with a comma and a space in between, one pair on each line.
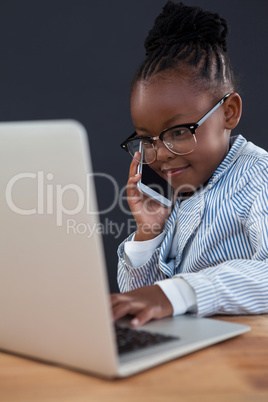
250, 167
248, 153
248, 178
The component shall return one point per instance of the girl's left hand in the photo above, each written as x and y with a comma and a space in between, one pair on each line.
145, 303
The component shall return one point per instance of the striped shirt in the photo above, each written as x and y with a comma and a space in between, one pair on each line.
222, 239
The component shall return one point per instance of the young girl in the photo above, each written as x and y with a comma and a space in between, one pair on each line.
209, 254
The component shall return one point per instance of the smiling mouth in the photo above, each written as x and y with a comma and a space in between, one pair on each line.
171, 173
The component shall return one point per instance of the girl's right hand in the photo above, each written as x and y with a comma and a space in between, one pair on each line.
150, 216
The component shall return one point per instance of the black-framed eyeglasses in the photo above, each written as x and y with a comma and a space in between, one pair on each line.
179, 139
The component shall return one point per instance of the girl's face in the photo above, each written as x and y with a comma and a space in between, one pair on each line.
163, 103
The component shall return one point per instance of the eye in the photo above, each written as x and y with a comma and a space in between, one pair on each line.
178, 132
178, 135
146, 143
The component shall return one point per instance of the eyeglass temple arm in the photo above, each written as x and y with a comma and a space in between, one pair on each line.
212, 110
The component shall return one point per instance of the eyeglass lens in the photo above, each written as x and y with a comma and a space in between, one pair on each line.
180, 141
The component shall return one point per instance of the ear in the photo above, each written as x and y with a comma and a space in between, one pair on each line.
232, 110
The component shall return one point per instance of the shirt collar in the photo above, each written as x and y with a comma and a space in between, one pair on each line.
237, 144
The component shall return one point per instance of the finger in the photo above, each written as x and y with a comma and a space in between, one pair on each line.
143, 316
127, 307
115, 298
134, 177
133, 193
133, 169
133, 180
120, 310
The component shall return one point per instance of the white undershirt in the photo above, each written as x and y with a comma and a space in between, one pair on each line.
180, 294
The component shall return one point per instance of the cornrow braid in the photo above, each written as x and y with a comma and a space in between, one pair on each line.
191, 41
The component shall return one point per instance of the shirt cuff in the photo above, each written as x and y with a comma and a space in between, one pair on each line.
139, 252
180, 294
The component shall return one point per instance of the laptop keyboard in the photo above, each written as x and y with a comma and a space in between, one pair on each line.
129, 340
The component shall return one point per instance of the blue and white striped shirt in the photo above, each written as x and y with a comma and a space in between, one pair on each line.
222, 239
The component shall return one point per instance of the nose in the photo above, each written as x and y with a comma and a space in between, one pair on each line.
162, 152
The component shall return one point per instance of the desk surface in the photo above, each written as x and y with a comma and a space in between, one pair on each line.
234, 370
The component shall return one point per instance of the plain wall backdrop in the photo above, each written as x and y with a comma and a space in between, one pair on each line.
75, 59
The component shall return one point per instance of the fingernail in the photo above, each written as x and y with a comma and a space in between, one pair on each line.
135, 322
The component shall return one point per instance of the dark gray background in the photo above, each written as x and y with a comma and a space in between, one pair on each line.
74, 59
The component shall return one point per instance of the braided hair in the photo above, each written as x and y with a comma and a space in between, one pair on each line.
192, 42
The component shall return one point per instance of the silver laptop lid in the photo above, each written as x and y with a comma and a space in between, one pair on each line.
54, 291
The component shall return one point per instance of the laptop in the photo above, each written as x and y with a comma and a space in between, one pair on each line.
54, 293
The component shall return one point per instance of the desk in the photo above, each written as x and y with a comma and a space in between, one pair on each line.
232, 371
